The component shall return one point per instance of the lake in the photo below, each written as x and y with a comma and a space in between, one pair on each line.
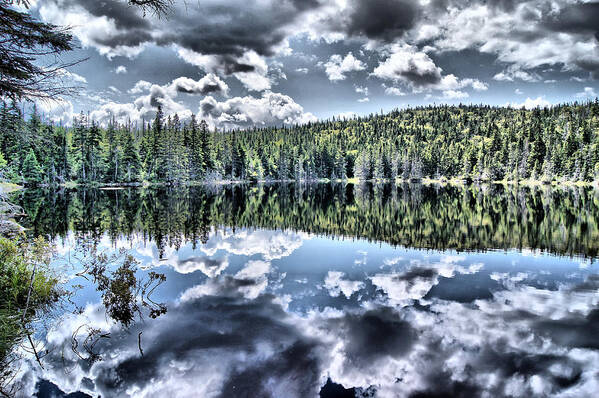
331, 290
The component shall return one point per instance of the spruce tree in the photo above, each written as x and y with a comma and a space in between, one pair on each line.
31, 170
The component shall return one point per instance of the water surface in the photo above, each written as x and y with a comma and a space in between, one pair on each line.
330, 290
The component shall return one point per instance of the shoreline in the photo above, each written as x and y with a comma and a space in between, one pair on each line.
10, 187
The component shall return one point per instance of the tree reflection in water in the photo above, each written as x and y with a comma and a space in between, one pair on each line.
557, 220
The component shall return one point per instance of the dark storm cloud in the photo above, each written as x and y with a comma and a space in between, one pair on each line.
591, 65
576, 18
498, 358
157, 95
504, 5
383, 19
441, 6
208, 108
233, 66
581, 19
124, 16
131, 38
419, 77
46, 389
249, 32
306, 4
210, 28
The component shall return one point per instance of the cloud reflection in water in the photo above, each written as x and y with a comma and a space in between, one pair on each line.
385, 326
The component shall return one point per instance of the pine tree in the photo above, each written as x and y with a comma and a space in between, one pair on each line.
112, 153
94, 158
130, 161
205, 145
195, 154
31, 171
362, 170
379, 168
80, 147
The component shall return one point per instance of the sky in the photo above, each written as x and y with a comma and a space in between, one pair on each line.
245, 63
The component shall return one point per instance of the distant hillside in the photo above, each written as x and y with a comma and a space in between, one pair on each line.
474, 142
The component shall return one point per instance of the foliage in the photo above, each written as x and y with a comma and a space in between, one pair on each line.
24, 41
27, 286
32, 172
469, 142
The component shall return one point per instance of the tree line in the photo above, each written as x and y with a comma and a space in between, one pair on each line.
467, 141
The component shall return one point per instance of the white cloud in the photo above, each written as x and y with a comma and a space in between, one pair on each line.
415, 69
337, 67
476, 84
511, 74
210, 83
454, 94
145, 105
361, 90
91, 30
163, 96
402, 291
531, 103
73, 76
256, 271
255, 79
210, 268
269, 109
408, 65
56, 111
394, 91
427, 32
122, 113
347, 115
121, 69
588, 92
518, 36
140, 87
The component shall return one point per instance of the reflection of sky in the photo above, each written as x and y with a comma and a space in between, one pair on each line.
277, 313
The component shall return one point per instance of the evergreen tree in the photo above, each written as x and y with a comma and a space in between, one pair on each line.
130, 162
32, 172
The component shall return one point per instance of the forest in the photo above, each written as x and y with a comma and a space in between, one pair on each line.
470, 142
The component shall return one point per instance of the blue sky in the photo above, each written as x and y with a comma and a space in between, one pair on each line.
270, 62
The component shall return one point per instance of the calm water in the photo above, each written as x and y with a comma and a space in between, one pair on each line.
330, 290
